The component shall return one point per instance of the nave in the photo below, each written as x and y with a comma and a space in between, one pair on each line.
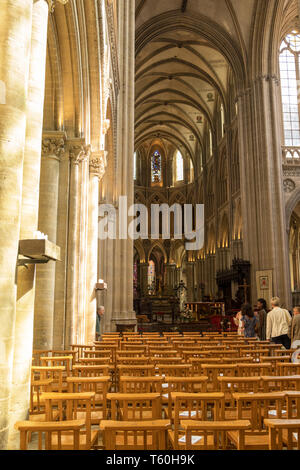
210, 391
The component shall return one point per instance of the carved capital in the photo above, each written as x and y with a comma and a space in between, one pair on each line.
52, 4
98, 163
105, 126
53, 146
79, 152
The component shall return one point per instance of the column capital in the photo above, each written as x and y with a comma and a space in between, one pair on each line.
98, 163
53, 144
52, 4
78, 151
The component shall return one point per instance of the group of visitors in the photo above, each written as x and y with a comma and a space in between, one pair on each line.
276, 325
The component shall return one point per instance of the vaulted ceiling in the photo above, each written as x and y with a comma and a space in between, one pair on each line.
185, 53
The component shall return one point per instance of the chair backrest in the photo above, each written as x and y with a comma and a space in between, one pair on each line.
98, 385
49, 429
261, 406
217, 429
173, 370
133, 370
144, 435
280, 383
213, 371
254, 369
152, 384
196, 406
133, 406
56, 361
54, 373
71, 404
91, 370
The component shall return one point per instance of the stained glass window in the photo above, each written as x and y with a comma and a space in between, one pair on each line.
290, 76
179, 167
151, 274
156, 167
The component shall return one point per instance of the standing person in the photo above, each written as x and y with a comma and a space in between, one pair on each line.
100, 313
249, 321
278, 324
262, 317
238, 322
295, 331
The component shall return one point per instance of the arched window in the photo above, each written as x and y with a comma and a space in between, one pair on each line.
134, 166
191, 171
179, 167
210, 143
151, 274
290, 76
156, 168
222, 120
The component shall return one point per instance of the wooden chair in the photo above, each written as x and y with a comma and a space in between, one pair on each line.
141, 435
72, 404
173, 370
195, 406
135, 406
55, 374
261, 406
98, 385
213, 371
36, 407
90, 370
280, 383
214, 433
152, 384
231, 385
181, 385
254, 369
54, 431
137, 371
277, 428
284, 368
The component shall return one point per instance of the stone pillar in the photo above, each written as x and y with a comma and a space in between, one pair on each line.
144, 278
170, 280
61, 267
190, 281
20, 393
123, 305
78, 154
265, 241
53, 147
15, 37
97, 167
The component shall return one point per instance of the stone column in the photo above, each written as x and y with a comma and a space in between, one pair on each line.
265, 241
97, 167
170, 278
15, 37
190, 281
61, 267
19, 402
78, 153
123, 305
53, 147
144, 278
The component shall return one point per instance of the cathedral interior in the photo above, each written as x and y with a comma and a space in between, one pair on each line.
165, 102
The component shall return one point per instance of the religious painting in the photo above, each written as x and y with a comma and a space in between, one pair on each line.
264, 282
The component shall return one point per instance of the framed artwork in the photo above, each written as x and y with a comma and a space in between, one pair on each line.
264, 282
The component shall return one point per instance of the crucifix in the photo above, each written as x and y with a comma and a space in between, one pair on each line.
245, 286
